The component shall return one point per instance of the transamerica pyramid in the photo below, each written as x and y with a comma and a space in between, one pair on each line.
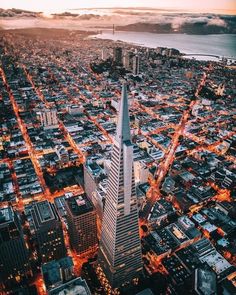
119, 254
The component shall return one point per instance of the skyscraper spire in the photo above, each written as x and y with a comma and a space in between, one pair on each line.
123, 126
120, 248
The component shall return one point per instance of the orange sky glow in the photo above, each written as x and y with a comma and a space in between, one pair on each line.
214, 6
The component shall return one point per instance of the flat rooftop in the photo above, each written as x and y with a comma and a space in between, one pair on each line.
177, 233
45, 211
6, 215
94, 168
145, 292
205, 282
216, 261
79, 205
75, 286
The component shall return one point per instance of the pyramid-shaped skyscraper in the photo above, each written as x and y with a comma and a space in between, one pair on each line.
120, 249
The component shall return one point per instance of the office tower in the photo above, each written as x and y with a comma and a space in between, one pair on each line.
14, 258
127, 60
93, 174
119, 254
48, 118
100, 197
117, 55
105, 54
136, 65
82, 226
48, 231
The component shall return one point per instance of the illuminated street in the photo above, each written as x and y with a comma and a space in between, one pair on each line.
172, 168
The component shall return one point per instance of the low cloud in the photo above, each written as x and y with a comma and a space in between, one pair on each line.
217, 22
119, 17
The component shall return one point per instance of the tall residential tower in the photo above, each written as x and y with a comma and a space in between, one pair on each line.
120, 248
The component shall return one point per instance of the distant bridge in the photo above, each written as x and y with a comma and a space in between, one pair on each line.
201, 54
210, 55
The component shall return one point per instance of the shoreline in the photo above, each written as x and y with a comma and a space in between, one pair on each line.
211, 56
107, 35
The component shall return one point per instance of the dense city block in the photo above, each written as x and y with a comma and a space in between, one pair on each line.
117, 168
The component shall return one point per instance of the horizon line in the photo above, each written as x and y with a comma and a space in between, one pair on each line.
170, 9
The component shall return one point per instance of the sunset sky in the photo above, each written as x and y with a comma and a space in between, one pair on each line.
220, 6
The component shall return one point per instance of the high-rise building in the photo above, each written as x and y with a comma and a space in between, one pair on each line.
82, 226
117, 55
48, 118
48, 231
105, 53
136, 64
93, 174
119, 254
14, 256
127, 60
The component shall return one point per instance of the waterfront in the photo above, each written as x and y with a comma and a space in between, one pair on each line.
222, 45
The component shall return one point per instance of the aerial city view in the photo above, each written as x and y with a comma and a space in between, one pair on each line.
118, 147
